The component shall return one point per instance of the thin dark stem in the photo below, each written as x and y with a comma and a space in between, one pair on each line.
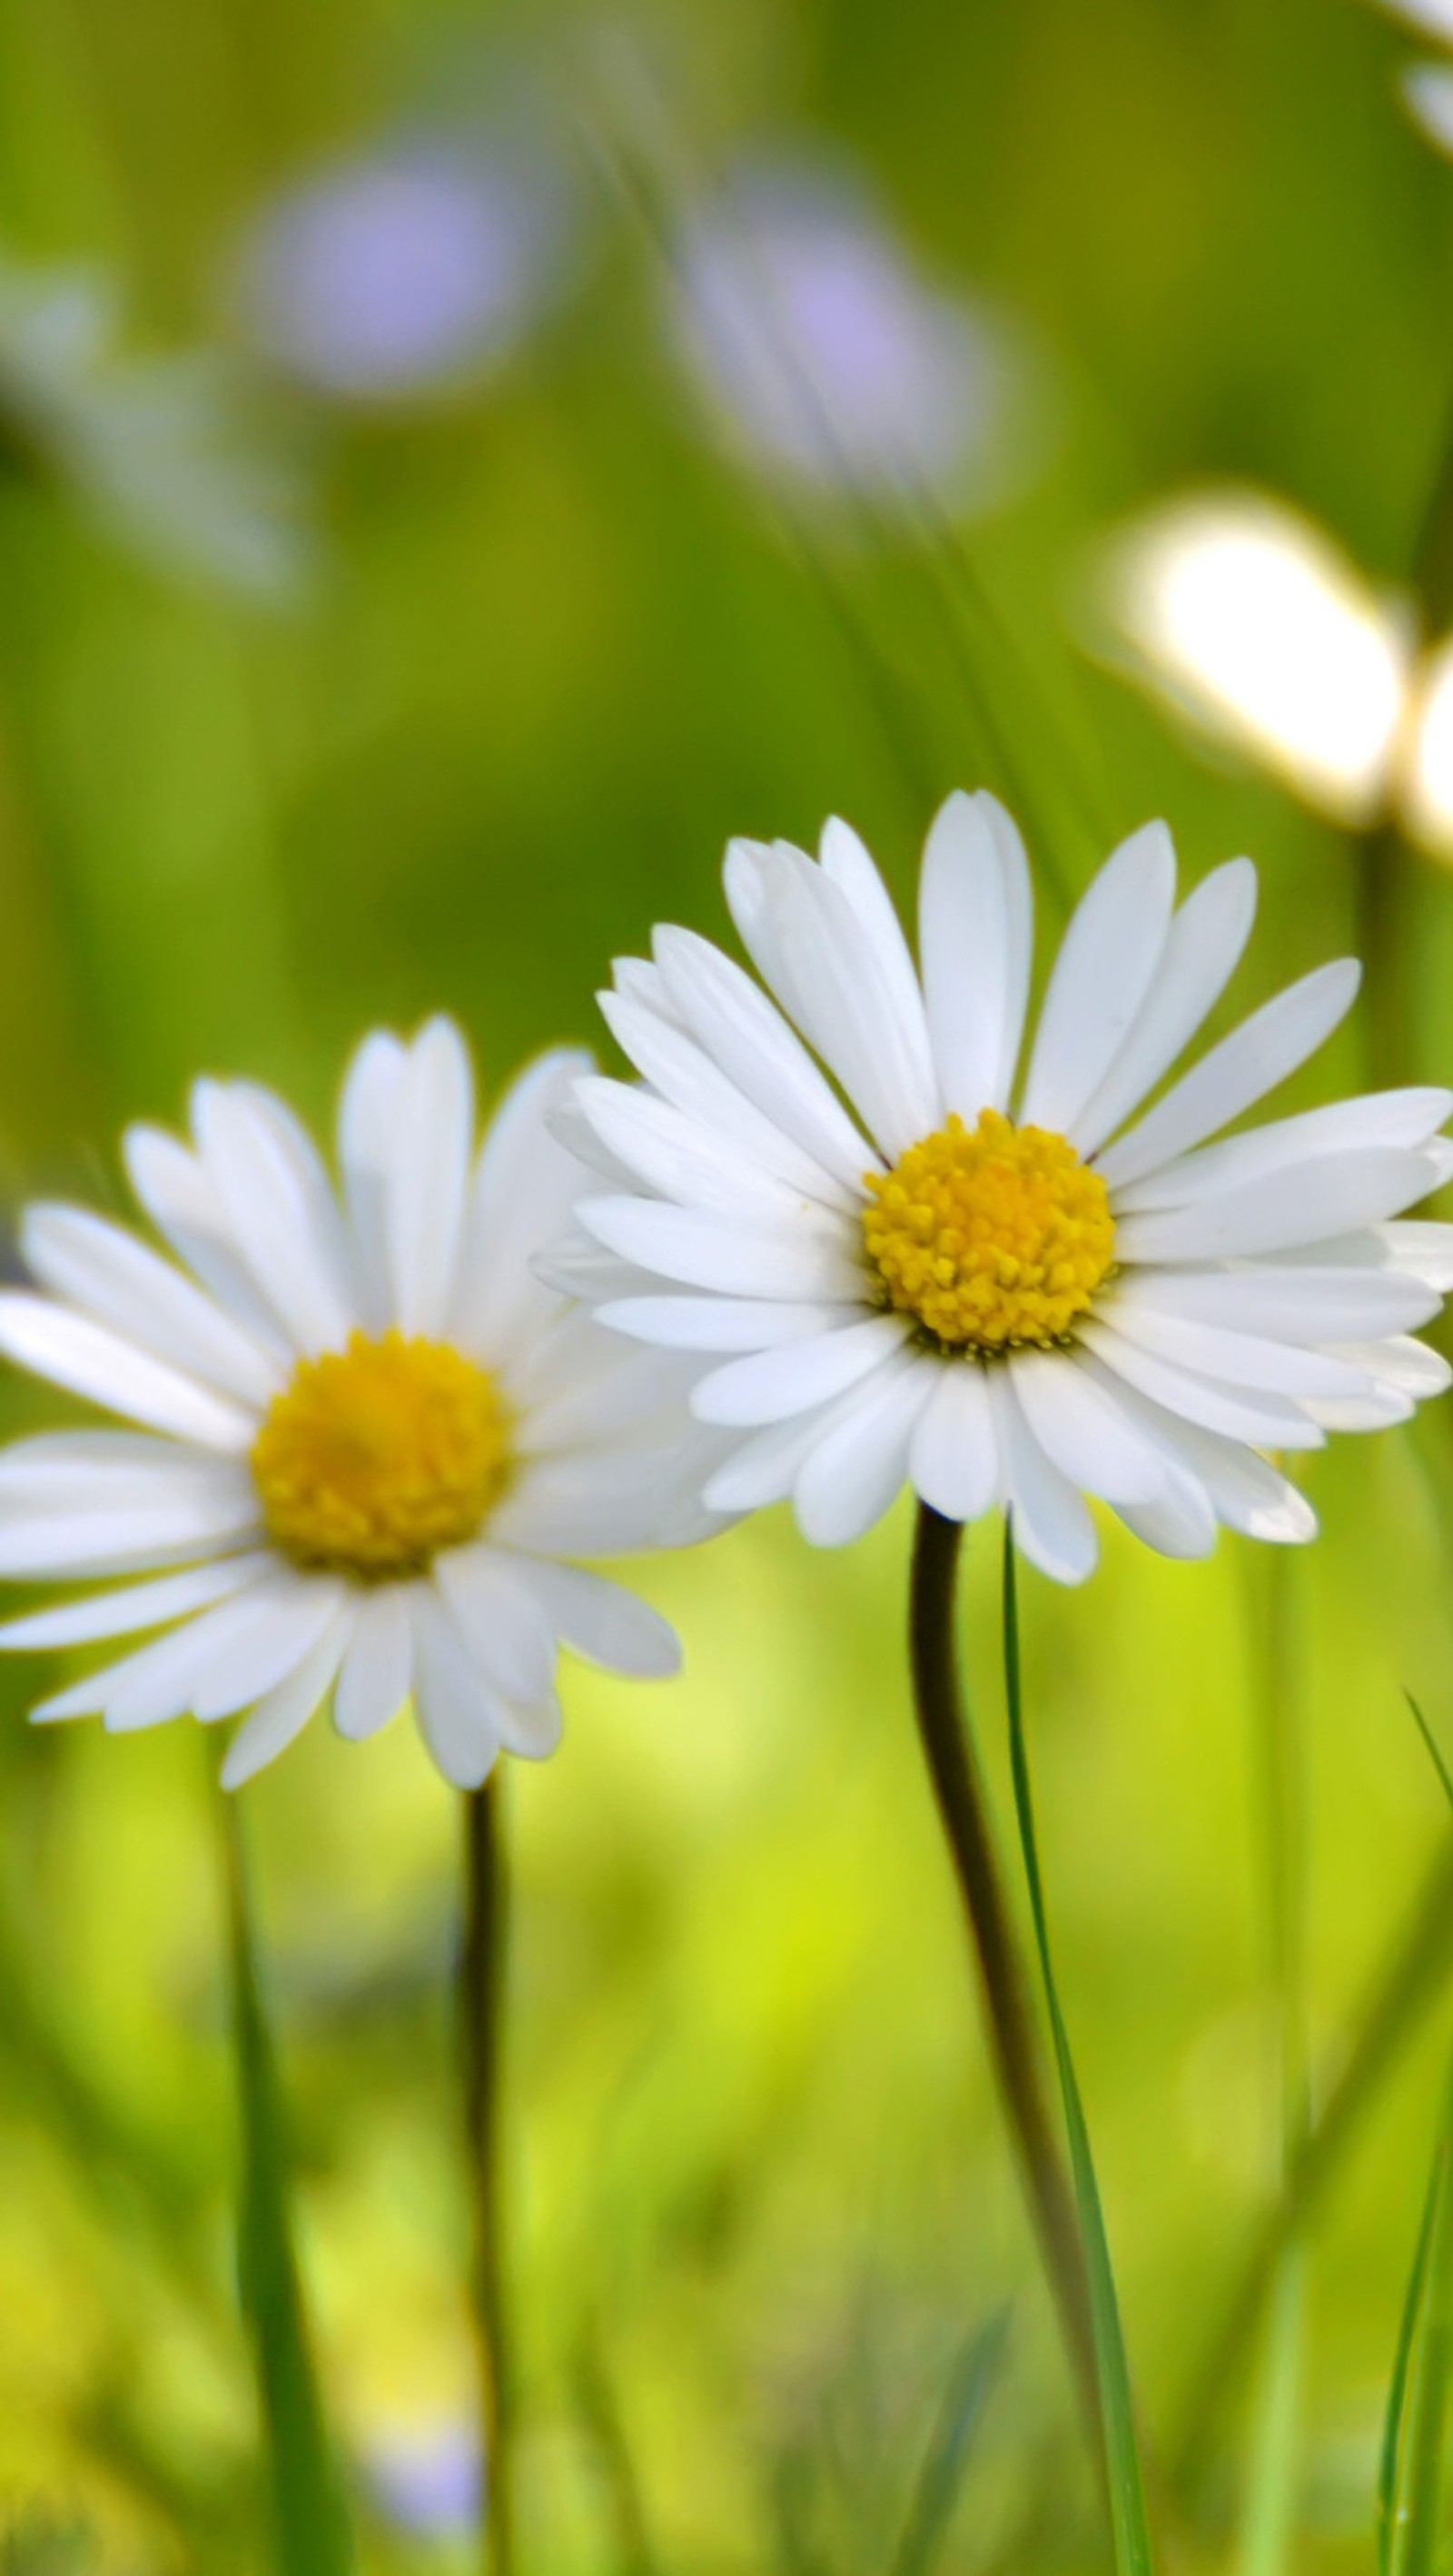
953, 1770
482, 1967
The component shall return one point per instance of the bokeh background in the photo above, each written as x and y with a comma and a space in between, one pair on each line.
457, 466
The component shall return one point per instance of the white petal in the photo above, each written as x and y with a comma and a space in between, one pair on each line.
806, 1257
975, 936
953, 1462
1202, 949
531, 1733
844, 859
367, 1117
174, 1188
1308, 1204
378, 1668
136, 1606
1247, 1064
118, 1282
97, 1364
1237, 1359
770, 1386
603, 1621
765, 1468
219, 1660
574, 1266
848, 1003
276, 1214
855, 1471
1180, 1523
1246, 1492
612, 1502
524, 1189
629, 1396
1083, 1430
433, 1136
457, 1713
1267, 1421
752, 1044
719, 1323
1102, 975
1400, 1362
684, 1074
156, 1522
276, 1720
680, 1157
1051, 1524
501, 1618
1285, 1305
1421, 1251
636, 979
1398, 1118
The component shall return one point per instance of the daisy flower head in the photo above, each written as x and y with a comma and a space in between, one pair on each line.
364, 1440
914, 1256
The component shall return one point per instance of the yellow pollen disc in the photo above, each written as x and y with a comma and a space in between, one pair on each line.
990, 1236
373, 1458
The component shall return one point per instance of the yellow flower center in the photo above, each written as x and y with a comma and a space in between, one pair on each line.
990, 1237
373, 1458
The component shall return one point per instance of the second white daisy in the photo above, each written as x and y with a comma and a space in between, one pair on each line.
368, 1441
996, 1287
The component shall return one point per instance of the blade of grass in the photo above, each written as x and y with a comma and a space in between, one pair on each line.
1393, 2431
941, 2475
1411, 2486
1271, 2498
310, 2524
1129, 2521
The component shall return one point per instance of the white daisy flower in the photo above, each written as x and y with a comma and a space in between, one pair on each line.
1001, 1287
369, 1436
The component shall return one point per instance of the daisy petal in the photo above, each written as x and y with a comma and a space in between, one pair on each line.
719, 1323
975, 934
602, 1621
1082, 1429
1267, 1421
367, 1117
99, 1267
182, 1203
1397, 1118
1202, 950
1399, 1362
754, 1047
1421, 1251
524, 1188
274, 1214
1050, 1522
872, 1038
433, 1135
378, 1667
1245, 1066
457, 1713
678, 1156
271, 1727
1235, 1358
953, 1462
1180, 1523
771, 1386
1102, 975
1285, 1305
845, 861
684, 1074
97, 1364
856, 1470
808, 1258
137, 1606
1246, 1492
501, 1618
1310, 1203
531, 1734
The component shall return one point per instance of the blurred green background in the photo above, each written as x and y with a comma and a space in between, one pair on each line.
494, 659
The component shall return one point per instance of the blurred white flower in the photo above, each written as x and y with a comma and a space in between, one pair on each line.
150, 446
1252, 622
824, 357
1427, 87
427, 2481
401, 272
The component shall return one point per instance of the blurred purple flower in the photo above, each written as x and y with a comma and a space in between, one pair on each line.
427, 2480
824, 355
401, 273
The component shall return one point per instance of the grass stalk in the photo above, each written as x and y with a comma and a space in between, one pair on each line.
482, 1995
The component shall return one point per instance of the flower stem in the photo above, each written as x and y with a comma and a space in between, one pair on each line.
953, 1769
482, 1984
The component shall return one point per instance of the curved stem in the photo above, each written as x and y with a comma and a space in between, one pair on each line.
948, 1751
482, 1963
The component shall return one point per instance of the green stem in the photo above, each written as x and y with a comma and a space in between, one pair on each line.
953, 1770
482, 1986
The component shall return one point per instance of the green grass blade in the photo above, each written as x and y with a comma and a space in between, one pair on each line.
1271, 2501
1128, 2518
311, 2533
940, 2478
1411, 2487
